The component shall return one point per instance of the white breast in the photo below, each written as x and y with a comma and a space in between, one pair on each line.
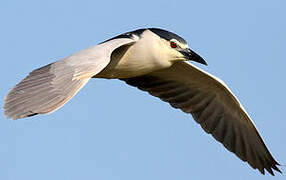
141, 58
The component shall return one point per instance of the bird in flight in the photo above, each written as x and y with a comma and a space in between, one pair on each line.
153, 60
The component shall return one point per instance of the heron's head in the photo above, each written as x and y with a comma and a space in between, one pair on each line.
174, 47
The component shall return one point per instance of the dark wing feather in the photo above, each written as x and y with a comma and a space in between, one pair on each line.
213, 106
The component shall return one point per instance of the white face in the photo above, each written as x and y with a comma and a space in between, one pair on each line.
178, 44
154, 50
172, 48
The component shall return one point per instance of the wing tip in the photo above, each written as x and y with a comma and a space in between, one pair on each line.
270, 168
33, 114
13, 116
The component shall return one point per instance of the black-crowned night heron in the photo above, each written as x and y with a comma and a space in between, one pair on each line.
153, 60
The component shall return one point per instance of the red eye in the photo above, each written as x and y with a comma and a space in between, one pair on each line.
173, 45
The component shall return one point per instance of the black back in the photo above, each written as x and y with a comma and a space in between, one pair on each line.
160, 32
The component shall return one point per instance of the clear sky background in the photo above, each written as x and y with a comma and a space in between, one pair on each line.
111, 131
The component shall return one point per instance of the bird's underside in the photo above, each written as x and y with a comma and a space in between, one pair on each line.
181, 84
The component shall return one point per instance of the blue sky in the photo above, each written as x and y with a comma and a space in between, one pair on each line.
111, 131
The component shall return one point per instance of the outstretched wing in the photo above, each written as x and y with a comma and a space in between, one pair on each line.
48, 88
213, 106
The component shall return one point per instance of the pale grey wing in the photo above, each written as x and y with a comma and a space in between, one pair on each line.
48, 88
213, 106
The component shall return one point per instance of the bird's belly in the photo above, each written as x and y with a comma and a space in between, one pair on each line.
128, 66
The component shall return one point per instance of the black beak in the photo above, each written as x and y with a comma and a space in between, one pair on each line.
191, 55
